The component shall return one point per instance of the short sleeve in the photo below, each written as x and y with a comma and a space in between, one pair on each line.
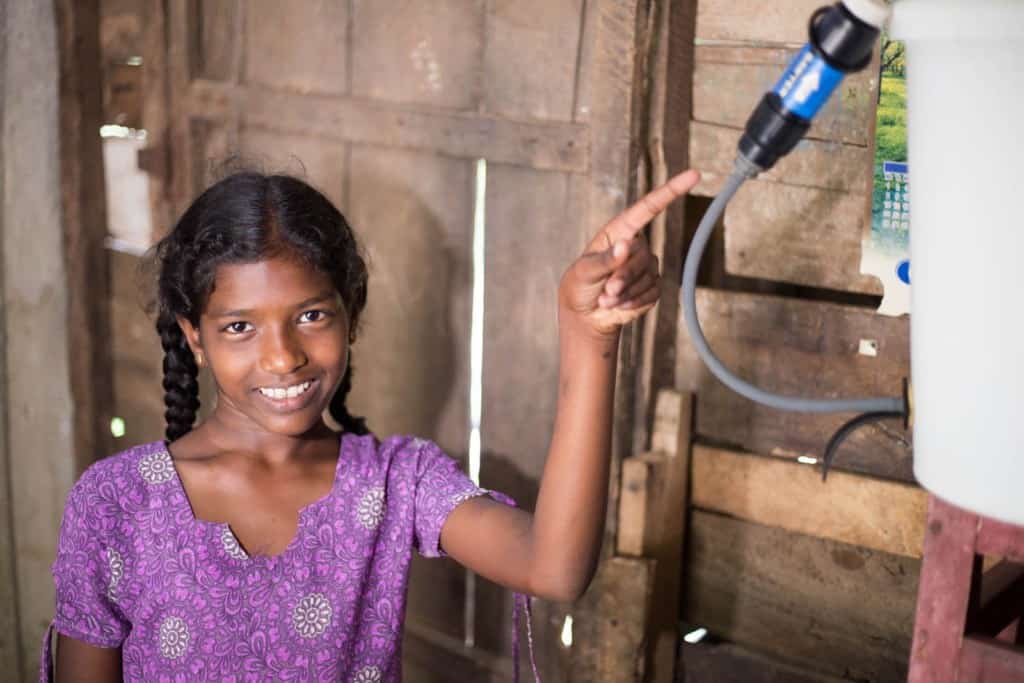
85, 574
440, 487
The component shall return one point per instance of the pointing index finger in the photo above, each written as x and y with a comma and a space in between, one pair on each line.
632, 220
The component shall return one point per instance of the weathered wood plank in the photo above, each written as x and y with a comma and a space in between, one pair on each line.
413, 215
1000, 538
547, 146
530, 58
606, 86
757, 21
319, 162
38, 409
84, 216
823, 164
728, 663
946, 582
299, 46
729, 82
411, 51
799, 348
989, 660
840, 609
796, 234
216, 31
638, 476
668, 131
881, 515
11, 650
155, 112
533, 232
612, 648
666, 525
423, 648
136, 355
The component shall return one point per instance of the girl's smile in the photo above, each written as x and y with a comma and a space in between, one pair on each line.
291, 398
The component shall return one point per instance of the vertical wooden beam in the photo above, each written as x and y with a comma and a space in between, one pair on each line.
671, 440
85, 227
610, 92
652, 524
155, 158
612, 648
943, 593
10, 635
669, 104
37, 444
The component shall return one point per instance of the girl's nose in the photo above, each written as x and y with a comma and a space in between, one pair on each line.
282, 355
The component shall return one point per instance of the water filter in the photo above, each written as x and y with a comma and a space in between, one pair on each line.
965, 108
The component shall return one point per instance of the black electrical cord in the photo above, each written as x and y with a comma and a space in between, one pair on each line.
865, 418
846, 430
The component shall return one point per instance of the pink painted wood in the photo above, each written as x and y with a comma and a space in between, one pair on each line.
950, 587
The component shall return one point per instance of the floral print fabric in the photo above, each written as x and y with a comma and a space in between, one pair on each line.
184, 601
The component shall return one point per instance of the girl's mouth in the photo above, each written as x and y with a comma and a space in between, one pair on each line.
288, 398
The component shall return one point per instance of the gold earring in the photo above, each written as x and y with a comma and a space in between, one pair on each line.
199, 359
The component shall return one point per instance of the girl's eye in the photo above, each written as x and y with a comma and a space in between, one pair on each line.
240, 327
312, 316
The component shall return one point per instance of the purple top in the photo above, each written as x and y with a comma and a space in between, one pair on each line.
136, 569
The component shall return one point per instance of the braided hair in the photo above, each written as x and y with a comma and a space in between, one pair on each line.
244, 218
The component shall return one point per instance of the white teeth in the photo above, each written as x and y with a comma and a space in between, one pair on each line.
282, 393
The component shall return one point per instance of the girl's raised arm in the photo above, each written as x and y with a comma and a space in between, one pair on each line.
553, 553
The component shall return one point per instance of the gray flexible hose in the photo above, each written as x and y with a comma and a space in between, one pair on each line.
742, 171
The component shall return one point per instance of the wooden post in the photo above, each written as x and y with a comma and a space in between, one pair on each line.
652, 523
85, 228
36, 467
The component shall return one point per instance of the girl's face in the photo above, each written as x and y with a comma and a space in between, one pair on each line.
275, 335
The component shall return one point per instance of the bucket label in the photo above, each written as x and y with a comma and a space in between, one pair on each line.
885, 247
807, 83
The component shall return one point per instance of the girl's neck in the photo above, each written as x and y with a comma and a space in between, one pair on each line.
223, 432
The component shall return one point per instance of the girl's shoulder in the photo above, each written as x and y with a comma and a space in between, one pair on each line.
132, 466
125, 481
394, 454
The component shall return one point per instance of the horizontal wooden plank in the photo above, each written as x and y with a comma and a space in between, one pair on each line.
429, 656
837, 608
798, 348
540, 145
801, 235
821, 164
755, 21
984, 659
881, 515
728, 82
730, 663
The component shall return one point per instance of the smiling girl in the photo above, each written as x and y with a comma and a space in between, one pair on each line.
263, 544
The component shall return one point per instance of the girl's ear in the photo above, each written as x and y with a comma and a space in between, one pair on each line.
191, 333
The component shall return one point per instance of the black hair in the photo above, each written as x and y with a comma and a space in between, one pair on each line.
244, 218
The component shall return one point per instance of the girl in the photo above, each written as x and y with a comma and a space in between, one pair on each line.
262, 544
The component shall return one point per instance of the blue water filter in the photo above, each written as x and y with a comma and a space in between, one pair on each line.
840, 40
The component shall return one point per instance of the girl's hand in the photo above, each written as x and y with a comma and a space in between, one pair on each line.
617, 278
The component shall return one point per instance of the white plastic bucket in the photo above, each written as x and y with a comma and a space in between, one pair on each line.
965, 127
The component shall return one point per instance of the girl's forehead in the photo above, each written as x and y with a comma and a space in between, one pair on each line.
267, 283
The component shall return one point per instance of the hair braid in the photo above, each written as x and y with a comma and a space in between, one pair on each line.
339, 411
181, 386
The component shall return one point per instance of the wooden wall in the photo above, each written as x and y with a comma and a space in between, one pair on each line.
821, 577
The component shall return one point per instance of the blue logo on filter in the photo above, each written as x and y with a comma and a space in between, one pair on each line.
903, 271
807, 84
